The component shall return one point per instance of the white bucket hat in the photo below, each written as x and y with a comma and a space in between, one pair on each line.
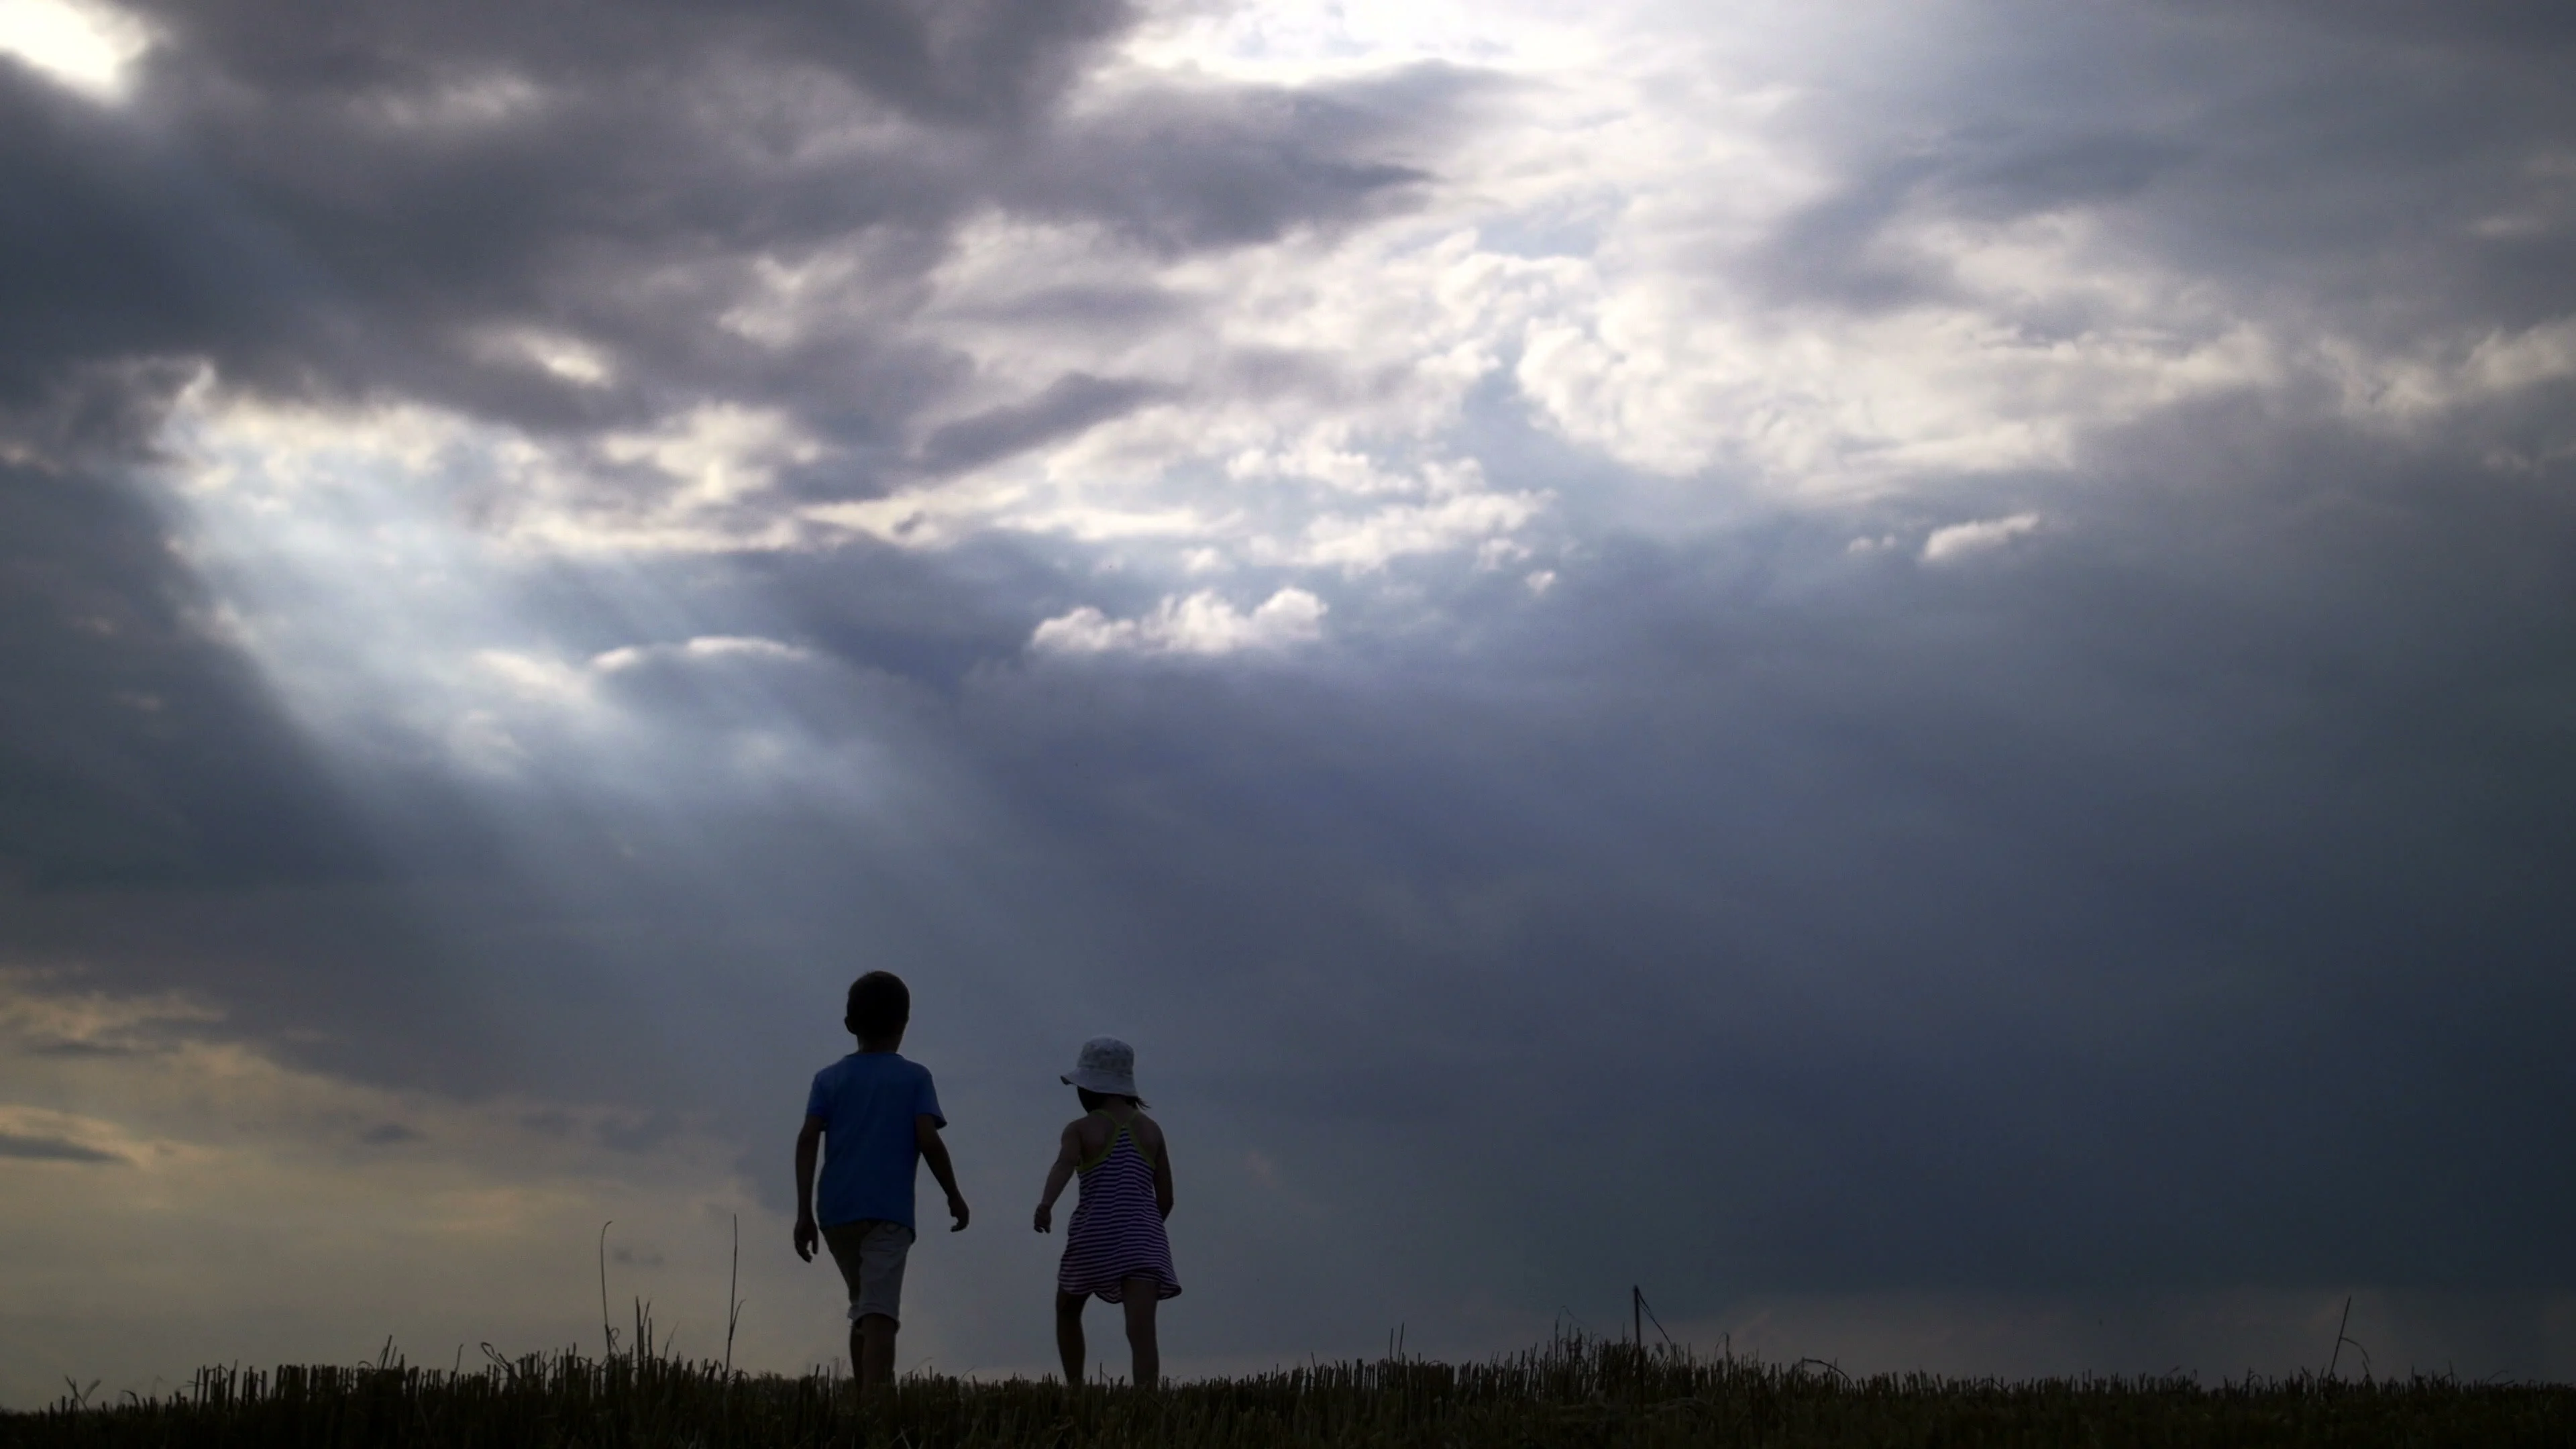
1107, 1066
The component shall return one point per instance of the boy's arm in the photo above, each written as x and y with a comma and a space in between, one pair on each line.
1066, 1160
925, 1133
808, 1237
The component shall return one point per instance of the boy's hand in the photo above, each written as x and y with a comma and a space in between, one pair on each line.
957, 1210
808, 1238
1046, 1216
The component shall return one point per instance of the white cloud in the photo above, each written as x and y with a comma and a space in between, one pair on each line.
1678, 373
387, 485
1296, 42
1368, 541
715, 456
461, 104
2405, 390
1962, 539
704, 647
1597, 249
566, 356
1202, 623
533, 676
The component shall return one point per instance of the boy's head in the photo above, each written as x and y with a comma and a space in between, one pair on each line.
880, 1007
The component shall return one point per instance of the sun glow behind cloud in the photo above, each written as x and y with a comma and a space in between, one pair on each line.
195, 1153
85, 44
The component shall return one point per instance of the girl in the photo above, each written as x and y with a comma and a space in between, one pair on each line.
1114, 1247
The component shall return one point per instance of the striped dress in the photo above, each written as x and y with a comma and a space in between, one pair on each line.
1116, 1233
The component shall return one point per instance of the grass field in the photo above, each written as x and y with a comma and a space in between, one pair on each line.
1572, 1392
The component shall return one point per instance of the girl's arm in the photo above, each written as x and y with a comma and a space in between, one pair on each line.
1066, 1160
1163, 1178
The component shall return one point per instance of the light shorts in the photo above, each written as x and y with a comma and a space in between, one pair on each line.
870, 1253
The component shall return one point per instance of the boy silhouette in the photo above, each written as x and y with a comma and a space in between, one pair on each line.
877, 1118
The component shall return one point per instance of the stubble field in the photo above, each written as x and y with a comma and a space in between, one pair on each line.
1571, 1392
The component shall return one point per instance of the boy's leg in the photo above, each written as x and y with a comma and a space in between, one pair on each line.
872, 1349
1141, 1295
871, 1257
1068, 1336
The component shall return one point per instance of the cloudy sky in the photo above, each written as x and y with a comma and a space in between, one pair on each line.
1906, 671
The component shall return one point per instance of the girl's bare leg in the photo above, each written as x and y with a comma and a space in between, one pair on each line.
1068, 1337
1141, 1295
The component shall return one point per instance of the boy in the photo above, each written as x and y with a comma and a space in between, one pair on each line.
882, 1119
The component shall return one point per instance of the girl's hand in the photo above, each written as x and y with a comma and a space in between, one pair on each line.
1046, 1215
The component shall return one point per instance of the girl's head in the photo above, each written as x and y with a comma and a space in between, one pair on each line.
1093, 1101
1106, 1068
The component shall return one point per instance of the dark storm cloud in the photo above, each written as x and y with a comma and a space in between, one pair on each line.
357, 205
980, 64
136, 746
1246, 164
1841, 249
2524, 31
2036, 173
2173, 902
1069, 405
2340, 167
104, 257
1836, 249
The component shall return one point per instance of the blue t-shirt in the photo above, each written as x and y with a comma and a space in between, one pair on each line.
867, 1101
